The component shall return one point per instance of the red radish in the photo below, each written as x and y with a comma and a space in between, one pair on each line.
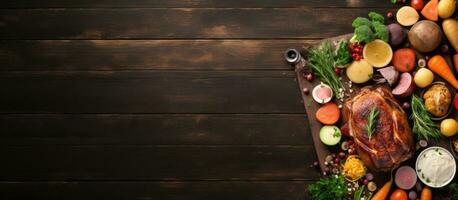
405, 86
456, 102
405, 177
404, 59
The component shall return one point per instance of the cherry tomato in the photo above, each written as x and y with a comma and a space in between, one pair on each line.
417, 4
399, 195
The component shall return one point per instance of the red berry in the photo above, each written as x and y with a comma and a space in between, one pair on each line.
337, 160
338, 70
309, 77
389, 14
365, 181
341, 155
306, 91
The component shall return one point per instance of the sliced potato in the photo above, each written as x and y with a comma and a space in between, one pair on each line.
407, 16
360, 71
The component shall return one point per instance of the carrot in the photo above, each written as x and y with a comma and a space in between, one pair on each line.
426, 194
455, 62
438, 65
383, 192
328, 114
430, 11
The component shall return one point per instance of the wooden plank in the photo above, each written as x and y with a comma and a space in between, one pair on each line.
150, 92
146, 54
60, 163
149, 23
49, 129
176, 190
192, 4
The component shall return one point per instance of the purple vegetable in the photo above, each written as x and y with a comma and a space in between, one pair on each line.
397, 34
412, 195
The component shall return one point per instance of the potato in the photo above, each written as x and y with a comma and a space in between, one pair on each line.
446, 8
450, 27
360, 71
423, 77
425, 36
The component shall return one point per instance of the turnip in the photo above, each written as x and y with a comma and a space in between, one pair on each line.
397, 34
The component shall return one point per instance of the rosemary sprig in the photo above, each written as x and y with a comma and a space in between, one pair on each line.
423, 126
321, 61
371, 122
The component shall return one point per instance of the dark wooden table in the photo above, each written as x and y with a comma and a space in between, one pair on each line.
158, 99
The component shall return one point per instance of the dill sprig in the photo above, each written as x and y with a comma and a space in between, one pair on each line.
321, 61
371, 122
423, 126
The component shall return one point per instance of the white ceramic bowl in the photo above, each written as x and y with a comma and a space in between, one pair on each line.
422, 178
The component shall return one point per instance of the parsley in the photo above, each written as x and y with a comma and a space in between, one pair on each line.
332, 187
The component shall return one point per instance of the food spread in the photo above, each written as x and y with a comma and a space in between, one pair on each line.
394, 83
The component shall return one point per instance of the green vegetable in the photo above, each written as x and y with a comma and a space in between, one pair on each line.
321, 61
359, 194
393, 1
332, 187
342, 55
375, 17
381, 31
361, 21
371, 122
367, 31
363, 34
423, 126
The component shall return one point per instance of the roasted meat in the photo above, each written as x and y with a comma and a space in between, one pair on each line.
391, 142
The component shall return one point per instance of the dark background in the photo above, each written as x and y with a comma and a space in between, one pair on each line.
158, 99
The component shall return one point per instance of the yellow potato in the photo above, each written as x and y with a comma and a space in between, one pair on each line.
423, 77
449, 127
446, 8
360, 71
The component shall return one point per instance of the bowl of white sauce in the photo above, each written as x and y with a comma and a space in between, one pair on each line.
435, 167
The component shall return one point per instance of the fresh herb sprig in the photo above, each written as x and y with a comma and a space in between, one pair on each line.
372, 122
332, 187
342, 55
423, 126
321, 61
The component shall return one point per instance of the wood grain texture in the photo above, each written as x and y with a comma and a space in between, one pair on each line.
170, 190
146, 54
196, 129
60, 163
149, 92
189, 23
192, 3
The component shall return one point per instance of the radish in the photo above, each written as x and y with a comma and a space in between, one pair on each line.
405, 177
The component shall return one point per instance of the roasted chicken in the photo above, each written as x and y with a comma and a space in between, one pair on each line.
391, 141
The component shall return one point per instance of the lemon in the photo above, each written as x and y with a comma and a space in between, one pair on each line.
449, 127
359, 71
378, 53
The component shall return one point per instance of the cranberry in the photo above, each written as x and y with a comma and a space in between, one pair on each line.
309, 77
337, 160
389, 14
405, 105
444, 48
306, 91
365, 181
341, 155
338, 70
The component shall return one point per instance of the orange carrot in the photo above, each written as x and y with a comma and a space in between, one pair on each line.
382, 194
430, 11
328, 114
438, 65
455, 62
426, 194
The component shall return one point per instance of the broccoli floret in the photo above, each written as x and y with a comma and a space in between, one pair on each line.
380, 31
361, 21
375, 17
363, 34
